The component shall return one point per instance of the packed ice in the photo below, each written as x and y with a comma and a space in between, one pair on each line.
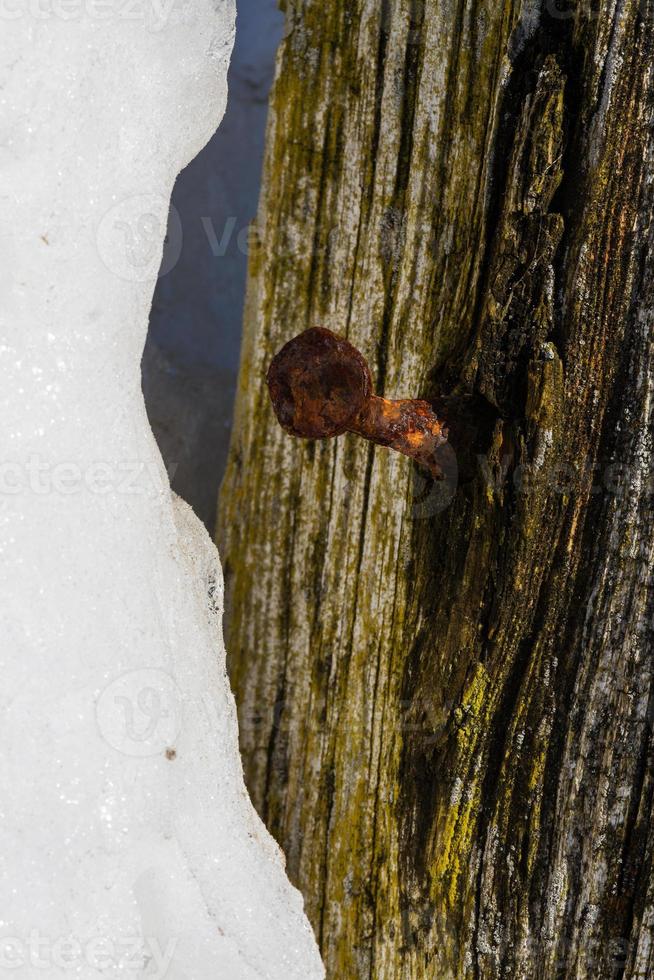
128, 844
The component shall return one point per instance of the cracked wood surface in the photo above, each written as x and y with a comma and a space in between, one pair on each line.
445, 690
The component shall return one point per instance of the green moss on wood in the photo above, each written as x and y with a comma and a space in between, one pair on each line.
444, 709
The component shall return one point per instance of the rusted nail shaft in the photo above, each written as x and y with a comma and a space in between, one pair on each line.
406, 425
321, 386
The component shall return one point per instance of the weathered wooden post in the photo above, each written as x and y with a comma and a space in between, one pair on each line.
446, 690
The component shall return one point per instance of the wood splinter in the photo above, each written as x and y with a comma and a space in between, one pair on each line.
321, 386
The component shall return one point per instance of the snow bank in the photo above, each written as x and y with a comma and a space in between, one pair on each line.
129, 847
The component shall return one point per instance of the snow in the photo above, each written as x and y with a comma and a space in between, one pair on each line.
129, 845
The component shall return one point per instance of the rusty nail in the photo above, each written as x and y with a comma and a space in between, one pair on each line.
321, 386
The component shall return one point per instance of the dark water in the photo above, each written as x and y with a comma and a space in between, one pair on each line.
191, 357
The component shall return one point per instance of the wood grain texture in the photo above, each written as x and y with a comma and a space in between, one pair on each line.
445, 690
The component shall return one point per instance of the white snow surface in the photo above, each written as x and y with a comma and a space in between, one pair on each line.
128, 844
